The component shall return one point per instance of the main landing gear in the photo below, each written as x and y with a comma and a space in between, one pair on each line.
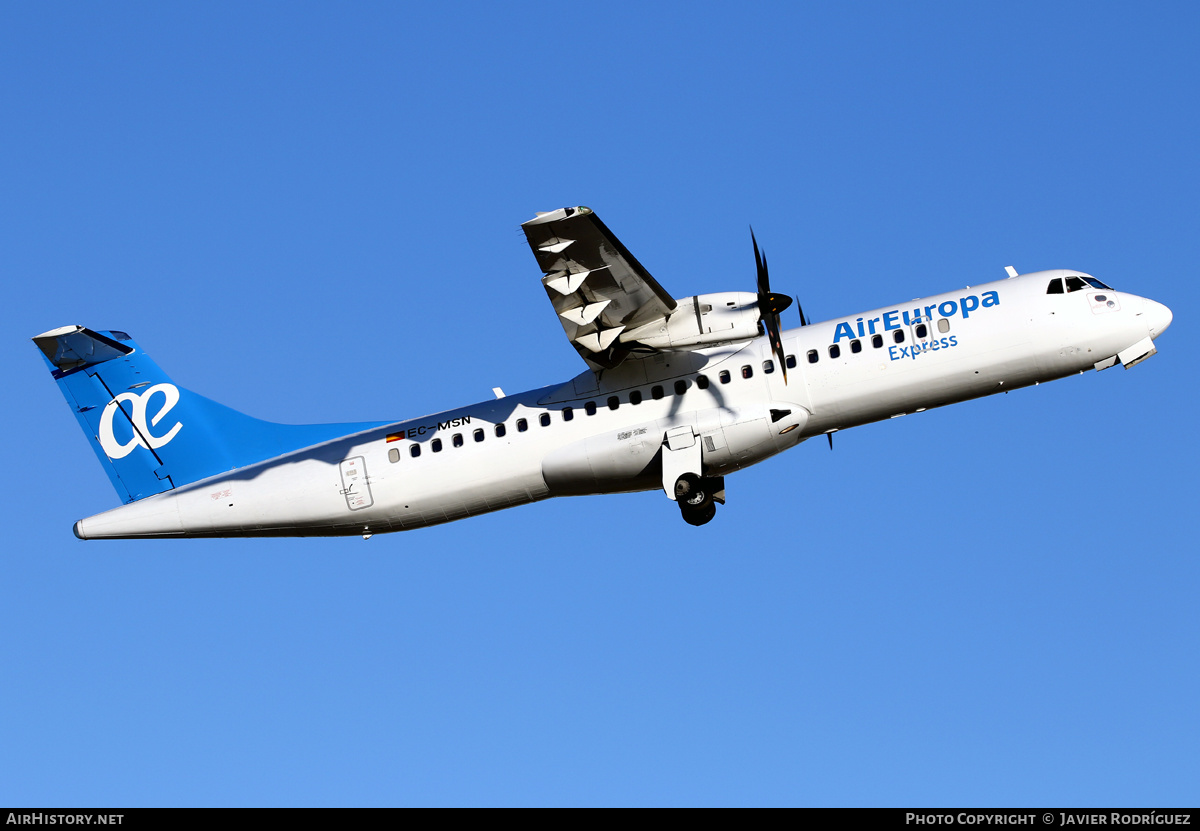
698, 496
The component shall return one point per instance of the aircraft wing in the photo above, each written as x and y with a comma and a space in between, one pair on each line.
598, 288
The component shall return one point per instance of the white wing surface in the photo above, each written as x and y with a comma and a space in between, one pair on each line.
598, 288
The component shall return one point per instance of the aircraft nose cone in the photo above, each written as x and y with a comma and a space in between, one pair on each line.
1158, 318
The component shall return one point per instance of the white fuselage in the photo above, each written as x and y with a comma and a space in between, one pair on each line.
570, 439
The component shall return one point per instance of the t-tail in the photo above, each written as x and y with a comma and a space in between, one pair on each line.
150, 434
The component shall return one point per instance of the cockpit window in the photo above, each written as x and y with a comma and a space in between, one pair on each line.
1096, 284
1075, 284
1055, 286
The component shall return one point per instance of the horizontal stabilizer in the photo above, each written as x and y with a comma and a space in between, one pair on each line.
72, 347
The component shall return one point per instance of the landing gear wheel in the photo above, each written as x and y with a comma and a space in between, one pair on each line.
694, 496
693, 516
686, 485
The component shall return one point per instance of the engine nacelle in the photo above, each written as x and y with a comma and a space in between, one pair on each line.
703, 320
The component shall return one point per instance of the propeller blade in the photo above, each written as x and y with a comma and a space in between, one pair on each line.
830, 437
803, 320
760, 262
772, 321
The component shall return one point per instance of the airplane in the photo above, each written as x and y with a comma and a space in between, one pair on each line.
678, 393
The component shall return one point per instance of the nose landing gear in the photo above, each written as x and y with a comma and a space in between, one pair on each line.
697, 497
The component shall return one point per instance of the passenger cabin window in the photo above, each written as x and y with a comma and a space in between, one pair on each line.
702, 381
768, 367
478, 434
522, 425
544, 419
680, 387
723, 376
856, 346
898, 337
790, 361
656, 393
394, 455
1075, 284
835, 351
747, 371
501, 430
457, 440
568, 414
923, 330
613, 402
414, 450
813, 356
590, 408
1055, 286
876, 341
436, 445
635, 397
944, 325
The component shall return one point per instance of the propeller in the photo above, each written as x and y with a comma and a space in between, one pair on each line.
804, 320
770, 305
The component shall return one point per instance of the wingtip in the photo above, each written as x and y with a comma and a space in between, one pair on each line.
542, 217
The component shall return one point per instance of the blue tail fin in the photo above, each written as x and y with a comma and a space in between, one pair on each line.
150, 434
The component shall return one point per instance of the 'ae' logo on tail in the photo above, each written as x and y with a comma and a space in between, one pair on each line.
141, 428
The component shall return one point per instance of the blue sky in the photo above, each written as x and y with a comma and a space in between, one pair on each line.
311, 212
